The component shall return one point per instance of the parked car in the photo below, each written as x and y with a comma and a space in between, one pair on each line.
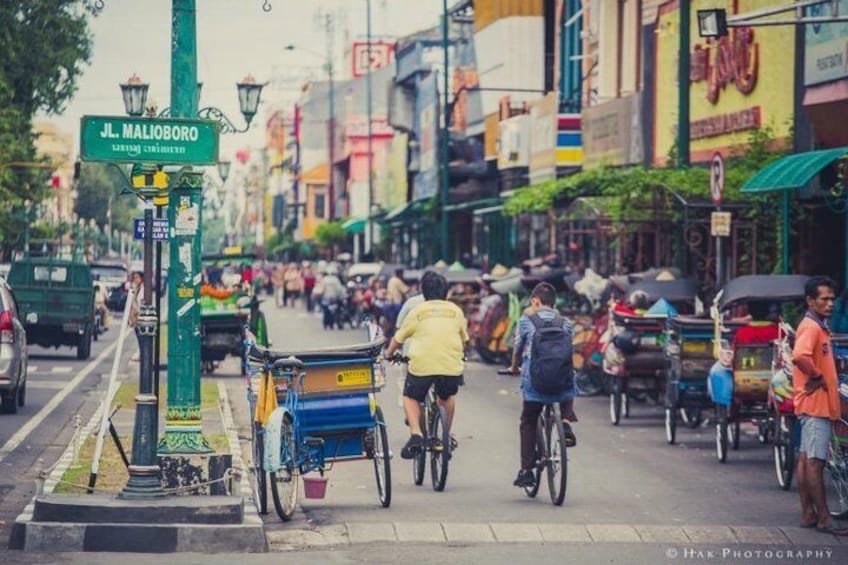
114, 279
13, 353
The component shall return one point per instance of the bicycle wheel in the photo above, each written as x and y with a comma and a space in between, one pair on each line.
284, 481
670, 424
382, 465
557, 457
616, 400
721, 434
439, 439
784, 450
259, 482
420, 458
541, 457
836, 482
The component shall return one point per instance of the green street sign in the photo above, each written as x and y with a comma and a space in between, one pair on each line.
149, 140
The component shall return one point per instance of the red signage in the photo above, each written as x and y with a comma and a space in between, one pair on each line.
382, 54
734, 59
749, 118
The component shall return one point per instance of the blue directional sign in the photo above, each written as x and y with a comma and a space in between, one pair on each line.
160, 229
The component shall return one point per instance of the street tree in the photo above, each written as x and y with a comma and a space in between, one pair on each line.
99, 191
44, 45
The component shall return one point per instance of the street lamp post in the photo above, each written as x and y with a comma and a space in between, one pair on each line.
370, 140
443, 192
683, 86
144, 479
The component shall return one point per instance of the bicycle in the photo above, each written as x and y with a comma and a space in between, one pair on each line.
437, 440
836, 468
551, 455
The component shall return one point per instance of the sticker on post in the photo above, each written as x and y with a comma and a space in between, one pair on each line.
185, 292
187, 220
185, 308
185, 256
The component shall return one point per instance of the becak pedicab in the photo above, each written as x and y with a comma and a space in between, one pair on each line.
634, 356
739, 387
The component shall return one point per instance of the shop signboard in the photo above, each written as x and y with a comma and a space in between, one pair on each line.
737, 83
427, 120
826, 45
514, 142
543, 138
612, 133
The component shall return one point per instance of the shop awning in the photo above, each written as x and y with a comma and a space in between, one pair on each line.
355, 225
793, 171
474, 204
404, 211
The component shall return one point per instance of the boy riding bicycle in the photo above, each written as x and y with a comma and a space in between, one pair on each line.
559, 386
437, 332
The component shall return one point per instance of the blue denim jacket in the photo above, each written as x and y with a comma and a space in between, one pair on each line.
524, 339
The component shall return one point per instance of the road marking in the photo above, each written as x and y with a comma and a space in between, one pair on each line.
48, 408
32, 369
61, 370
46, 384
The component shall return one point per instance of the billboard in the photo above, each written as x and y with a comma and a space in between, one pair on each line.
427, 130
826, 51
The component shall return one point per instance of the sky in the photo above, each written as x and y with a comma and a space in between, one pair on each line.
234, 38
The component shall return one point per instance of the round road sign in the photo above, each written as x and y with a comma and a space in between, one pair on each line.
717, 178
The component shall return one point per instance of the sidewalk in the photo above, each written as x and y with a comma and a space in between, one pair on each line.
70, 475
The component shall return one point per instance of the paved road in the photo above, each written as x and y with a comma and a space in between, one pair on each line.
623, 481
59, 387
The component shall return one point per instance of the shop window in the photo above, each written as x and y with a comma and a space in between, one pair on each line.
320, 206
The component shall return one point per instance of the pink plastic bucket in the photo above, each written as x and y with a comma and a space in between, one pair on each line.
314, 487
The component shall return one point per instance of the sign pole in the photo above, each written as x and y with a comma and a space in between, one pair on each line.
183, 425
717, 194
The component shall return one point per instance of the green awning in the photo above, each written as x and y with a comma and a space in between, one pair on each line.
474, 204
793, 171
355, 225
404, 211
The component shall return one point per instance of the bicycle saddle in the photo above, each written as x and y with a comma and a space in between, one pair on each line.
288, 363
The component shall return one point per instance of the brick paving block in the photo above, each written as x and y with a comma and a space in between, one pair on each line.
710, 534
662, 534
760, 535
335, 534
468, 533
366, 532
807, 536
613, 533
295, 538
419, 532
564, 533
517, 533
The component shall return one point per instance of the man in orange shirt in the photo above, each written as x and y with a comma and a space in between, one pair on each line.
816, 402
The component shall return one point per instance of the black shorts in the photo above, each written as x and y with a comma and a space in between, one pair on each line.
416, 388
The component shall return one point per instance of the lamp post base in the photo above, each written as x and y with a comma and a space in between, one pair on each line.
144, 483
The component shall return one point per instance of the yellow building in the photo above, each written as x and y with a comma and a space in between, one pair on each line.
738, 83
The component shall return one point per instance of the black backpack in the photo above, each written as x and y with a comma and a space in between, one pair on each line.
551, 365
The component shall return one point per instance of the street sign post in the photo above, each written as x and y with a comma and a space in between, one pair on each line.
717, 179
160, 229
118, 139
720, 224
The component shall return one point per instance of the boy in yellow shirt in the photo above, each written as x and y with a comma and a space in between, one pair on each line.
437, 332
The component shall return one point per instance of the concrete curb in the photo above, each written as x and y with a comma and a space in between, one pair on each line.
484, 533
251, 505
